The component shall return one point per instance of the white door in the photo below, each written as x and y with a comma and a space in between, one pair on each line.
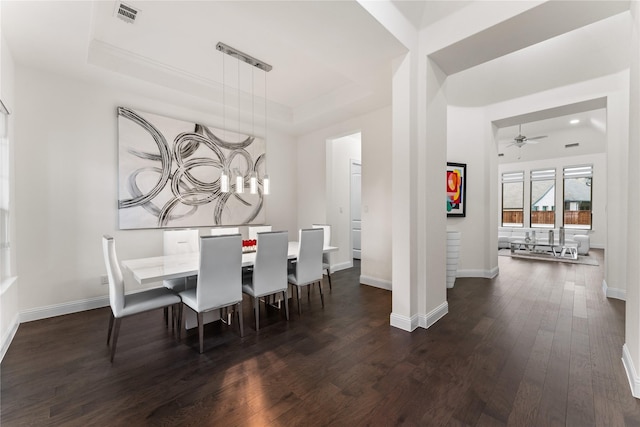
355, 207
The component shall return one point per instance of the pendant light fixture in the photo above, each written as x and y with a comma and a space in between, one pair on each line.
224, 176
253, 176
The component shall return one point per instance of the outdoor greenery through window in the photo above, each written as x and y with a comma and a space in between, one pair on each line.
543, 198
578, 182
513, 199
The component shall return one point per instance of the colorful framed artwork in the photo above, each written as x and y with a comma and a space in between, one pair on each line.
456, 189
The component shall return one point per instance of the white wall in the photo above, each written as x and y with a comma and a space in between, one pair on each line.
467, 143
598, 234
313, 205
9, 303
66, 184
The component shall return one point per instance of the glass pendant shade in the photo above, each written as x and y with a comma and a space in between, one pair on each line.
253, 183
224, 182
239, 184
265, 184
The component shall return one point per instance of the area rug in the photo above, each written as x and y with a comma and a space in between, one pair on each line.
582, 259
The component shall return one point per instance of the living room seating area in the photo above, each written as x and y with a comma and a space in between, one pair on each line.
506, 235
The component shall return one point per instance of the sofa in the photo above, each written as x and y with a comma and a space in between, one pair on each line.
508, 234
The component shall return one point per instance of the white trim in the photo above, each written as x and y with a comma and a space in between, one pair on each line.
632, 376
429, 319
64, 308
596, 246
485, 274
376, 283
8, 336
341, 266
7, 283
403, 322
616, 293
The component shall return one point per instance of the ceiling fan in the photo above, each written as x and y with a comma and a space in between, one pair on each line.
521, 140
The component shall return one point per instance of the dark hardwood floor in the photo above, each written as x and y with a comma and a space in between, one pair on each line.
538, 346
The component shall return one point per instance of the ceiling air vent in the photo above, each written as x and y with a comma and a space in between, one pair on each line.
575, 144
127, 13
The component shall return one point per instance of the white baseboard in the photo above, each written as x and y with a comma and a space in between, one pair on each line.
419, 320
429, 319
632, 376
485, 274
377, 283
341, 266
405, 323
64, 308
8, 336
616, 293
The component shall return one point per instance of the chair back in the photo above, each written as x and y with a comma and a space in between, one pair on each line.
220, 274
270, 266
180, 242
253, 231
309, 264
224, 231
116, 280
327, 232
327, 239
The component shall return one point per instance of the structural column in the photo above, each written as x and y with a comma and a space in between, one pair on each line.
631, 349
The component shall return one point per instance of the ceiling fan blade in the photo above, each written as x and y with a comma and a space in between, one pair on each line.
536, 137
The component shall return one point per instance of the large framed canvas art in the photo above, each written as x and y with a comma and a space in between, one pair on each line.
169, 173
456, 189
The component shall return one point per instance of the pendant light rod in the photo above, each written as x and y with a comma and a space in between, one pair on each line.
224, 48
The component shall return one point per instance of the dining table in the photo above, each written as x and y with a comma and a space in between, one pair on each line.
158, 268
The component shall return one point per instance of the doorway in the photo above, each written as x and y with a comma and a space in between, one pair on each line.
343, 195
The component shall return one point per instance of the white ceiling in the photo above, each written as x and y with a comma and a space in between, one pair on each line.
327, 56
331, 59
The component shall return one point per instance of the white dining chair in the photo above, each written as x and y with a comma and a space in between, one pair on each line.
269, 276
177, 242
308, 268
253, 230
224, 231
326, 262
219, 283
124, 305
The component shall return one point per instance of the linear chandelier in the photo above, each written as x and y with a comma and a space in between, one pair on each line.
225, 174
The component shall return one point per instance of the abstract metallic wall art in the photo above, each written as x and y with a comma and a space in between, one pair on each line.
169, 173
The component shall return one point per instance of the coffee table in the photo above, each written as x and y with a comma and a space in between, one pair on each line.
564, 250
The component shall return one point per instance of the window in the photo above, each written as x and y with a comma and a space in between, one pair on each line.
513, 199
5, 261
543, 198
577, 196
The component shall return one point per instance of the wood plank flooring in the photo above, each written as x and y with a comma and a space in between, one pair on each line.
537, 346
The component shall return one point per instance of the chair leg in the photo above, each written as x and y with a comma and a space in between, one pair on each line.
256, 312
329, 277
201, 331
299, 308
166, 316
321, 295
285, 301
308, 293
110, 327
240, 319
180, 320
116, 330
